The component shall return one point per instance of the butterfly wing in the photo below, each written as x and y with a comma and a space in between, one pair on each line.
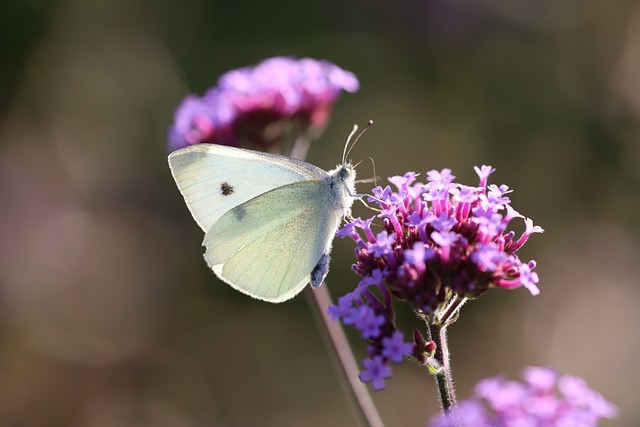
268, 246
215, 178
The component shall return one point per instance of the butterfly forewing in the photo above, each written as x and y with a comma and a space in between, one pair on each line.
215, 178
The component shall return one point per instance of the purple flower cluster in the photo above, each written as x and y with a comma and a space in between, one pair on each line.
440, 241
263, 104
544, 399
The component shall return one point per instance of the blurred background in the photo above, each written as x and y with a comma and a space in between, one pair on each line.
110, 317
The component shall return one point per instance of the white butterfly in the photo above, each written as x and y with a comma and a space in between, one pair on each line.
269, 220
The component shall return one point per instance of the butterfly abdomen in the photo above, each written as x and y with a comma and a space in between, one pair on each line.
320, 271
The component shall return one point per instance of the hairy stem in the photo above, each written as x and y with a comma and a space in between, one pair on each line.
443, 375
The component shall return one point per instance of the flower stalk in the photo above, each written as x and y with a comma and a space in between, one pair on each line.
441, 367
334, 334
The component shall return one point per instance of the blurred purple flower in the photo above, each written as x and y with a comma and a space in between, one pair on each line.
543, 399
442, 242
375, 372
263, 104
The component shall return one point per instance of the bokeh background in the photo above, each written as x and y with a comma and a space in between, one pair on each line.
110, 317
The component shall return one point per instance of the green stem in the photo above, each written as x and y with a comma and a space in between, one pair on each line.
443, 376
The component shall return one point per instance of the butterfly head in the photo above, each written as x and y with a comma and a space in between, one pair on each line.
342, 181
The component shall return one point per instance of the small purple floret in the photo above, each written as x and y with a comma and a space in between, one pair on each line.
395, 348
368, 322
375, 372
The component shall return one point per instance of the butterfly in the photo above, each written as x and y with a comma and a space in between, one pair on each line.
269, 220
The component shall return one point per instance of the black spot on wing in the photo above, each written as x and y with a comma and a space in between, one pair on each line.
226, 189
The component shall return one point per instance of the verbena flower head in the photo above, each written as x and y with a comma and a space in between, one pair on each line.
263, 104
543, 399
439, 244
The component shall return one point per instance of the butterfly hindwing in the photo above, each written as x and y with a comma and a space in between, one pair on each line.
268, 246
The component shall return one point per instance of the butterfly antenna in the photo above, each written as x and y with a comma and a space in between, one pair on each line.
347, 147
346, 144
375, 176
